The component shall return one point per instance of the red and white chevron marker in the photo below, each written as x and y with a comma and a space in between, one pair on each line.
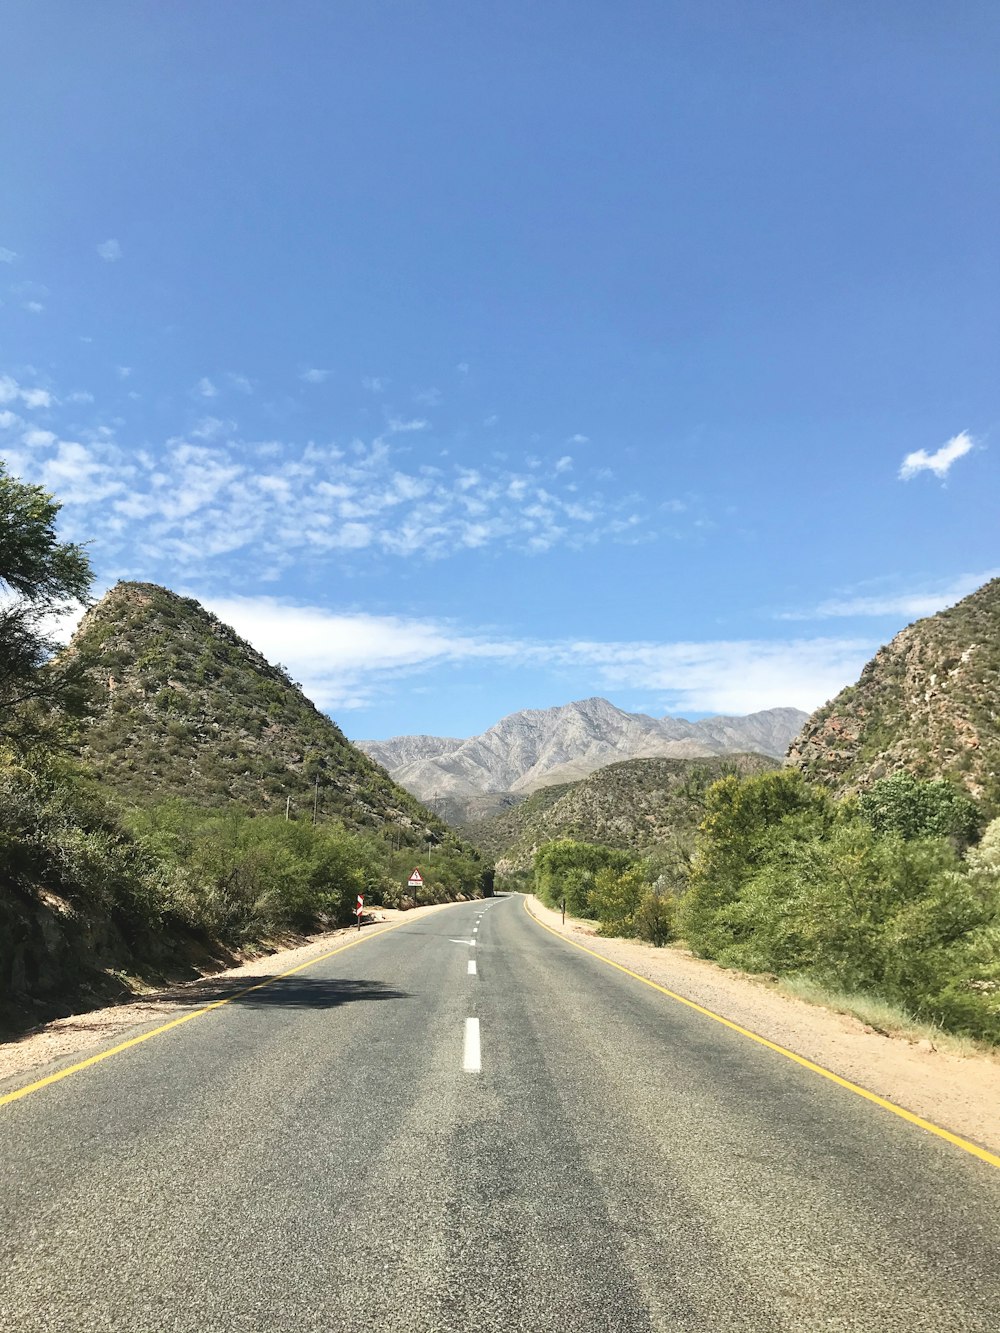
360, 908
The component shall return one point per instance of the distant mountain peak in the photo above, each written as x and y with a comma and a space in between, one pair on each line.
539, 746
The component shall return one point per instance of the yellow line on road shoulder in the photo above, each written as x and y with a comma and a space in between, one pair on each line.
966, 1145
29, 1088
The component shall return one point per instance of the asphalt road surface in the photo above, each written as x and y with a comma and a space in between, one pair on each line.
392, 1139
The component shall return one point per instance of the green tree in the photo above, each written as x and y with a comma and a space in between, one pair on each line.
567, 869
39, 577
913, 808
733, 843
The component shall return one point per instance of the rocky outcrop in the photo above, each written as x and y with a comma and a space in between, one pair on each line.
928, 703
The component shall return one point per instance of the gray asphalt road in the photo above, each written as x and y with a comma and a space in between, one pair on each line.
315, 1156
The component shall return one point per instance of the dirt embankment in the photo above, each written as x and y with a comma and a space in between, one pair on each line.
960, 1093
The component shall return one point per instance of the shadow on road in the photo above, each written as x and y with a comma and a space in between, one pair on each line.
287, 993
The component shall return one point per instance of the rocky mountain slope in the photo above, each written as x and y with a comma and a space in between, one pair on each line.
928, 702
638, 804
539, 747
184, 707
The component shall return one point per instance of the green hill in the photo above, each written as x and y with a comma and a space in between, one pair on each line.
183, 707
212, 810
927, 703
636, 805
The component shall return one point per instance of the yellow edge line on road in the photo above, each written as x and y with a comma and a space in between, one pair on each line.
29, 1088
982, 1153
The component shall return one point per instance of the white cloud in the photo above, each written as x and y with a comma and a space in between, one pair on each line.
345, 659
375, 383
909, 605
34, 307
564, 464
491, 420
210, 428
579, 439
940, 461
79, 475
313, 375
11, 392
240, 382
205, 388
463, 367
209, 493
38, 439
110, 250
80, 396
123, 372
7, 256
428, 397
731, 676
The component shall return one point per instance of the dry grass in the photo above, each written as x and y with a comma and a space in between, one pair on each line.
884, 1016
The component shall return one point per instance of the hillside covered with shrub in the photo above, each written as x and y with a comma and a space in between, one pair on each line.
181, 706
928, 703
634, 805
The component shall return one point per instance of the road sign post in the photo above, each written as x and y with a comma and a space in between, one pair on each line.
414, 882
360, 908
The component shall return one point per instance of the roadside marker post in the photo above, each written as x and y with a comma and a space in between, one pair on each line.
360, 908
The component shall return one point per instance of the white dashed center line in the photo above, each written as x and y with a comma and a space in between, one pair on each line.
472, 1059
472, 967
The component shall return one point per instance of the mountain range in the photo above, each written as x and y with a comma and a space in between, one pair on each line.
473, 778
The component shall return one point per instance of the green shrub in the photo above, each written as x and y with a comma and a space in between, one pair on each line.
915, 808
567, 870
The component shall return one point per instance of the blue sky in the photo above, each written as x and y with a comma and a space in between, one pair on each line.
475, 358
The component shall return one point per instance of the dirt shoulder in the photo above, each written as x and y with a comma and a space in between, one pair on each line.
959, 1093
67, 1039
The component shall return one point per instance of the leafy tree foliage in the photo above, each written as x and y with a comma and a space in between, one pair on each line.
916, 808
785, 882
39, 576
565, 869
732, 844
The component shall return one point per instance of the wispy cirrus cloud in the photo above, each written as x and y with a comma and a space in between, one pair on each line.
347, 660
940, 461
110, 250
8, 256
211, 491
206, 388
314, 375
907, 605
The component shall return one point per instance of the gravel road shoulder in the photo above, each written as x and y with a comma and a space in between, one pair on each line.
959, 1093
